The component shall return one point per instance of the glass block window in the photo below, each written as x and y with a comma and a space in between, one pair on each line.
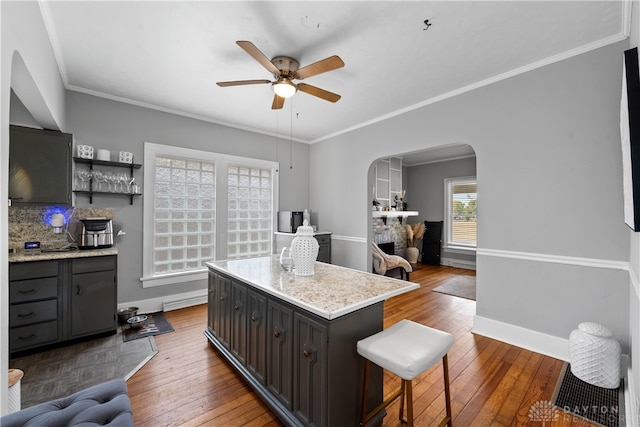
250, 211
184, 213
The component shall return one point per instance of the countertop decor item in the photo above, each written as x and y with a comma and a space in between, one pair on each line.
104, 155
125, 157
85, 151
304, 250
595, 355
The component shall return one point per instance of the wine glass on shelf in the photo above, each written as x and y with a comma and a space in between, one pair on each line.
99, 178
84, 176
122, 180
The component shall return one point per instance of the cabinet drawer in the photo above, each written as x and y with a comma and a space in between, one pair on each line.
33, 270
34, 289
323, 239
91, 265
33, 335
33, 312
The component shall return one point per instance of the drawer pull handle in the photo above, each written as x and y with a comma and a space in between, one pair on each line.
276, 333
306, 353
236, 307
29, 292
30, 314
77, 290
27, 338
221, 298
254, 318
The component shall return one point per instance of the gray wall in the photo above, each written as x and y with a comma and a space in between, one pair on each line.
425, 190
549, 173
116, 126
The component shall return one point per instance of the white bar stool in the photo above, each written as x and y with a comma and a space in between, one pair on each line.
407, 349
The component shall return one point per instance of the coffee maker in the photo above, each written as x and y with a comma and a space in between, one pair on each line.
95, 234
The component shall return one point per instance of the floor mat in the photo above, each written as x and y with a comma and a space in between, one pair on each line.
600, 405
155, 324
459, 286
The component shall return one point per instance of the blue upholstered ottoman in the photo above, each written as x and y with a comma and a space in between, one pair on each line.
105, 404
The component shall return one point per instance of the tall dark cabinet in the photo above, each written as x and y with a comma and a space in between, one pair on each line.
432, 242
39, 166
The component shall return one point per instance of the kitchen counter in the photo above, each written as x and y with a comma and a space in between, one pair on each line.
293, 338
333, 291
284, 233
22, 256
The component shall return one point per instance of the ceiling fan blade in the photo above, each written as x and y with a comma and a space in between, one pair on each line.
252, 50
327, 64
320, 93
278, 102
242, 82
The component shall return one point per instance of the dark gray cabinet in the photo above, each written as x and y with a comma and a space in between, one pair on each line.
257, 336
39, 166
324, 247
304, 367
59, 300
35, 301
280, 353
92, 299
310, 370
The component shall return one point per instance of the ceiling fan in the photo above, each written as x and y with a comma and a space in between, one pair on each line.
285, 70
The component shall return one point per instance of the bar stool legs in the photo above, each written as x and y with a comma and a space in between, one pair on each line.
405, 392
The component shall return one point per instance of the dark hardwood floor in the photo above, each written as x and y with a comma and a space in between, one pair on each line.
492, 383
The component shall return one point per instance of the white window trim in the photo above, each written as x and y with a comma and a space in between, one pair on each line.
446, 245
220, 250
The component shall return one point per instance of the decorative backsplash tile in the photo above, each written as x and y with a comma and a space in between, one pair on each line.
27, 224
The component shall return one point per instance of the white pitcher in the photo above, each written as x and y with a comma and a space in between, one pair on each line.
286, 262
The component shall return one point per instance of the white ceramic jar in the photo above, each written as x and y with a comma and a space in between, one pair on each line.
304, 250
595, 355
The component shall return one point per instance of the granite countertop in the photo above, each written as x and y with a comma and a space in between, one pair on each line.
293, 234
331, 292
21, 256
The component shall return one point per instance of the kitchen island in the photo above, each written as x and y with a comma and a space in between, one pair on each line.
293, 338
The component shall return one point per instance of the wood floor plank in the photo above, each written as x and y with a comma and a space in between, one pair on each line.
492, 383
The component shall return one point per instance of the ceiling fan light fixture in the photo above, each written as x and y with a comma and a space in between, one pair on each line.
284, 88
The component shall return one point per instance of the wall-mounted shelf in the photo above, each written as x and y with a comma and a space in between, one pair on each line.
94, 162
393, 214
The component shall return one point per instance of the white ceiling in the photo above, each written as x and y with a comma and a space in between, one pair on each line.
168, 55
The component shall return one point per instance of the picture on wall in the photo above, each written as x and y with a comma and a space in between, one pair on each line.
630, 138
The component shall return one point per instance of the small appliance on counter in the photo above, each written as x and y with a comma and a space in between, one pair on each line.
95, 233
289, 221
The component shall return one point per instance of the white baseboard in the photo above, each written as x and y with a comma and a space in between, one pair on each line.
459, 263
168, 303
521, 337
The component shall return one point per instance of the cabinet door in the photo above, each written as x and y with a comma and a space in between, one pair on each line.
310, 370
223, 310
280, 346
39, 166
238, 344
211, 304
92, 303
257, 336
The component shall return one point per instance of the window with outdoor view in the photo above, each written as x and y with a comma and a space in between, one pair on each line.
461, 213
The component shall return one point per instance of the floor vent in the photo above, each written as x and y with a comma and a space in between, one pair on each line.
575, 397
